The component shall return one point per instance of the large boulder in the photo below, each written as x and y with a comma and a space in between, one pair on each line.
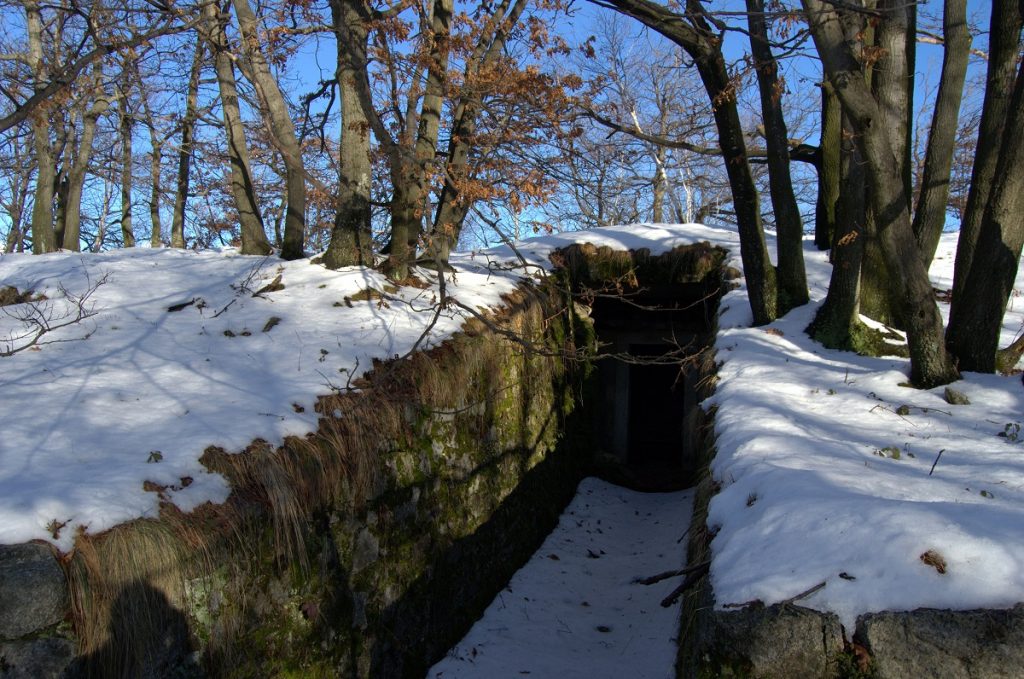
977, 644
779, 641
33, 590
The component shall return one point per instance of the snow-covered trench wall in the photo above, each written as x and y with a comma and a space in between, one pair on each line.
368, 548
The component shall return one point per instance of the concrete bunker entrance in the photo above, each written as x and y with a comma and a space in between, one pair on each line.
648, 413
653, 333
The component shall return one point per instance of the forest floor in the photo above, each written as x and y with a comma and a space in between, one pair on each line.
830, 470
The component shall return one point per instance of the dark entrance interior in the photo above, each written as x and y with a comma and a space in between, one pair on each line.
648, 415
656, 409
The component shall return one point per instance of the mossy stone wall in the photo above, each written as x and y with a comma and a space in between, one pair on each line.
468, 471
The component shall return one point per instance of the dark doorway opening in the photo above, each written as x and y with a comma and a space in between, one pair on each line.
647, 422
655, 421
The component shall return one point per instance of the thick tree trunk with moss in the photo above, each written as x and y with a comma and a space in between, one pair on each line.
351, 240
792, 280
693, 33
275, 112
930, 215
254, 237
978, 308
1004, 47
72, 216
930, 363
155, 163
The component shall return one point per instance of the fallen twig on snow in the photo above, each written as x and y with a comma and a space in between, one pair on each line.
693, 577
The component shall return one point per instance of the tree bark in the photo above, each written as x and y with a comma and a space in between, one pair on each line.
43, 236
930, 364
930, 215
837, 322
76, 178
693, 33
792, 280
825, 230
127, 232
254, 237
155, 162
892, 82
188, 125
1004, 41
282, 131
351, 238
411, 170
977, 313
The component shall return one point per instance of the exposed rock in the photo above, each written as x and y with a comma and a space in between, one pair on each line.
976, 644
780, 641
956, 398
11, 295
33, 590
37, 659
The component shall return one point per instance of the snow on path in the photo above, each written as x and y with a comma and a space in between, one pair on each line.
573, 611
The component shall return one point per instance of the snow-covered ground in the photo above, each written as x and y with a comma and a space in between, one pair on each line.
575, 611
833, 472
136, 392
830, 470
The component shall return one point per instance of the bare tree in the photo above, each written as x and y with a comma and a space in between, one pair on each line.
693, 32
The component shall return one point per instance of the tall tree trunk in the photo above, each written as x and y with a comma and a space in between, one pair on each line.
254, 238
72, 219
930, 215
693, 33
977, 313
892, 82
930, 364
414, 169
351, 240
1004, 42
275, 110
792, 275
658, 186
830, 153
188, 125
155, 162
19, 195
452, 207
43, 236
127, 120
837, 324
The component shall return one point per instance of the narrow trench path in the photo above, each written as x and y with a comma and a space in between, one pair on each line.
574, 610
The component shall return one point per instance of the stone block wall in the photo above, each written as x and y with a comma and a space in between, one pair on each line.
366, 549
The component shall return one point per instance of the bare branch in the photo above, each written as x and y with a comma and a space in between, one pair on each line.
41, 317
